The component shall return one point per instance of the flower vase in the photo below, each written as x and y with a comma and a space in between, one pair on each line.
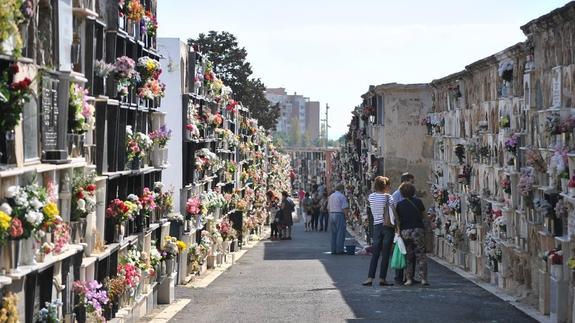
119, 232
28, 255
135, 163
76, 145
169, 266
14, 252
557, 272
226, 246
121, 22
7, 149
40, 257
157, 157
8, 45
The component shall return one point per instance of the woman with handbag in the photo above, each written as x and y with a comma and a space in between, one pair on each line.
382, 209
411, 216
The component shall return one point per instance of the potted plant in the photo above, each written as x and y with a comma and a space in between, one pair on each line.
137, 145
13, 95
119, 212
83, 203
159, 152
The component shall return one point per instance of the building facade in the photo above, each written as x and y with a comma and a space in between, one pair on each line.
499, 154
299, 117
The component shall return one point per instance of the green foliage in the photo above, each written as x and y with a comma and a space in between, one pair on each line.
229, 62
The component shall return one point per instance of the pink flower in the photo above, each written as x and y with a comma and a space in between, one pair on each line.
193, 205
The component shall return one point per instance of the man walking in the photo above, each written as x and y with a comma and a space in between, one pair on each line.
338, 207
397, 197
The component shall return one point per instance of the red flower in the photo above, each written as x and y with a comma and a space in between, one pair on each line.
21, 86
91, 187
14, 68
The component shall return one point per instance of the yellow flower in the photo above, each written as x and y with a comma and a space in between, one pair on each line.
181, 245
50, 210
5, 220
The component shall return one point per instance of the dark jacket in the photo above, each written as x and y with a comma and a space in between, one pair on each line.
410, 213
287, 210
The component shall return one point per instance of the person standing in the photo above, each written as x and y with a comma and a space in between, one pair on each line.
410, 212
301, 196
287, 208
397, 198
323, 213
382, 207
274, 214
315, 210
307, 211
338, 208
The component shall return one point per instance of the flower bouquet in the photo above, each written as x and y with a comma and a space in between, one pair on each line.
535, 160
505, 184
160, 138
511, 144
124, 73
49, 313
137, 145
147, 200
13, 95
92, 297
81, 112
83, 195
164, 199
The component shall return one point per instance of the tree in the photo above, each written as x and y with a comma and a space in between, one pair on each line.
229, 63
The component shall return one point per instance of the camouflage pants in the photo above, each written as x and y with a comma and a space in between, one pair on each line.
414, 240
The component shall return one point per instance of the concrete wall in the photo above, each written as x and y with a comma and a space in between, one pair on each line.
174, 54
406, 148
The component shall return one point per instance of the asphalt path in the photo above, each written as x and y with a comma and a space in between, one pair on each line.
299, 281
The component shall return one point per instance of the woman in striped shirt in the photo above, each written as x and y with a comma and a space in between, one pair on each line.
382, 208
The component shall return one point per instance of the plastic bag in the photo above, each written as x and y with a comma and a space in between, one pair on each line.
397, 240
398, 259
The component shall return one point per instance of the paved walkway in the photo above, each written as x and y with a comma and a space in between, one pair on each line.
299, 281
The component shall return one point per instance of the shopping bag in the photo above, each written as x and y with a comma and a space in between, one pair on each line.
399, 242
398, 259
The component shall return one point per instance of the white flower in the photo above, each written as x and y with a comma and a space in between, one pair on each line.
133, 197
21, 200
36, 204
11, 191
90, 201
34, 218
159, 185
129, 130
6, 208
81, 205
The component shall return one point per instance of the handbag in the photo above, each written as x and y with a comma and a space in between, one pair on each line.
427, 229
398, 259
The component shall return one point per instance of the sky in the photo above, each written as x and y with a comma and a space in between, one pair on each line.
331, 51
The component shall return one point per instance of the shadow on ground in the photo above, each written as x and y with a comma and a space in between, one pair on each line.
449, 298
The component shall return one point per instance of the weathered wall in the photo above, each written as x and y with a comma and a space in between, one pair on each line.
405, 146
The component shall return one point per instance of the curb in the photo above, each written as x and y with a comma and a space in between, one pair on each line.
169, 311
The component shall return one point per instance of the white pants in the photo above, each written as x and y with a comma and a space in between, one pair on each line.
308, 218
